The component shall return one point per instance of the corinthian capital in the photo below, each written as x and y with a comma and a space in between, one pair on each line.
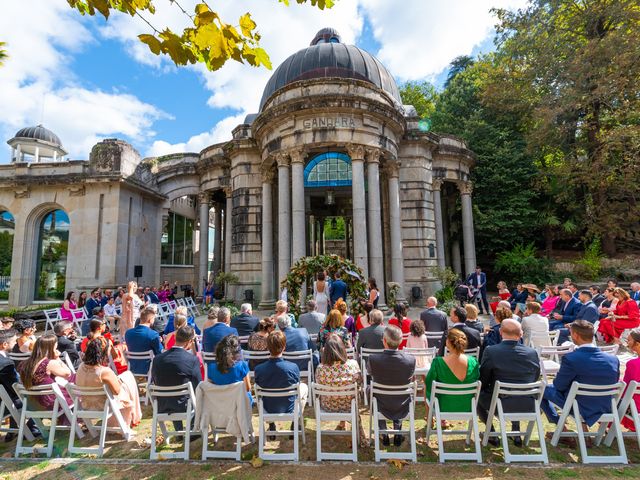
282, 159
355, 151
297, 155
436, 184
466, 188
392, 167
268, 173
373, 155
203, 197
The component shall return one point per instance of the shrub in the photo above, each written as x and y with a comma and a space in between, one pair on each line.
520, 264
393, 289
447, 306
590, 265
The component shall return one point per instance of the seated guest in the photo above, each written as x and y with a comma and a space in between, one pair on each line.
178, 321
472, 317
609, 303
507, 305
612, 283
493, 335
142, 339
111, 314
347, 320
586, 364
588, 311
297, 340
26, 330
625, 316
9, 376
175, 367
94, 301
212, 317
551, 300
362, 320
401, 320
535, 327
245, 322
43, 367
454, 368
573, 287
97, 328
459, 317
212, 335
207, 296
503, 294
333, 325
258, 340
66, 340
6, 323
417, 339
336, 370
312, 320
569, 310
279, 373
518, 296
632, 372
181, 310
282, 308
434, 320
94, 371
229, 367
371, 337
392, 367
508, 362
596, 296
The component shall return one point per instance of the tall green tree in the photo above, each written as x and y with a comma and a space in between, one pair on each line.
422, 95
3, 52
573, 67
504, 200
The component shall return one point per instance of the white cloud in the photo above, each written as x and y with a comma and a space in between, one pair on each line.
38, 86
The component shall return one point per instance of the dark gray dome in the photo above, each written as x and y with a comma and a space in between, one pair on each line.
39, 133
326, 58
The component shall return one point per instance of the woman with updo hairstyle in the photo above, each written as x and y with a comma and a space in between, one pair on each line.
258, 340
26, 329
347, 320
455, 368
178, 322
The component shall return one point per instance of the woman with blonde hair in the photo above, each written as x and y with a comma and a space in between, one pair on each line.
333, 324
503, 294
131, 305
472, 317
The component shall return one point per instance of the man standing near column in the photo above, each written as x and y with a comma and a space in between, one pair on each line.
478, 280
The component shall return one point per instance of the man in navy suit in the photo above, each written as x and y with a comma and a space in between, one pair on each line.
478, 280
212, 335
587, 311
569, 310
245, 322
337, 290
587, 364
297, 339
142, 339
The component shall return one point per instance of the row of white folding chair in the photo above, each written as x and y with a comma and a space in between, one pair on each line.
433, 337
193, 308
186, 417
19, 356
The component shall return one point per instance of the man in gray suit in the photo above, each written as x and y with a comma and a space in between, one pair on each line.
371, 337
392, 367
511, 362
434, 320
312, 320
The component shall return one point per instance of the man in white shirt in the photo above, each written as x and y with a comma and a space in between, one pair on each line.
111, 314
535, 327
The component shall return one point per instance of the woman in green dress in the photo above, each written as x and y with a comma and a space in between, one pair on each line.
454, 368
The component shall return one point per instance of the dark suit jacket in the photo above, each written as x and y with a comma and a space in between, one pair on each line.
598, 299
245, 324
588, 312
278, 373
434, 320
142, 339
570, 311
8, 376
298, 339
175, 367
212, 335
338, 289
588, 365
66, 345
473, 337
392, 367
473, 280
511, 362
370, 337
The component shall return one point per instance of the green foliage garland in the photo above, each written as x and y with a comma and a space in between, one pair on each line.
305, 270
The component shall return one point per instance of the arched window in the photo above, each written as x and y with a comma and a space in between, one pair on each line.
7, 229
331, 169
53, 243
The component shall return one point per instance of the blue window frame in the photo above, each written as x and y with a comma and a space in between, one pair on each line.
331, 169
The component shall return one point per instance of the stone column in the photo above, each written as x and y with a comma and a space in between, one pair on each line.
397, 260
321, 235
217, 241
268, 297
298, 223
467, 227
312, 234
376, 266
360, 250
228, 214
437, 210
203, 254
456, 262
284, 218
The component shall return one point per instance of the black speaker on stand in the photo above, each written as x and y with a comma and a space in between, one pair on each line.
137, 272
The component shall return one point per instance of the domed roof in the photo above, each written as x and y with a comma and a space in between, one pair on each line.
39, 133
327, 57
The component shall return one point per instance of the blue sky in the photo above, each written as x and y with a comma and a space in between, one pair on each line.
87, 79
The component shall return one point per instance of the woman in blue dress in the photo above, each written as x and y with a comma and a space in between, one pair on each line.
229, 367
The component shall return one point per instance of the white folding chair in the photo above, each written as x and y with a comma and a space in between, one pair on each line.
181, 302
470, 416
164, 311
30, 411
9, 411
627, 409
472, 352
303, 355
79, 317
426, 354
610, 349
204, 419
543, 339
87, 416
434, 338
172, 306
67, 360
294, 417
502, 390
377, 390
52, 316
193, 308
611, 420
313, 337
351, 352
259, 356
243, 341
148, 355
186, 417
19, 356
207, 358
364, 357
351, 416
550, 359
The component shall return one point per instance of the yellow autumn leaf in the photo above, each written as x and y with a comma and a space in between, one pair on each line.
247, 25
257, 462
210, 37
151, 41
399, 464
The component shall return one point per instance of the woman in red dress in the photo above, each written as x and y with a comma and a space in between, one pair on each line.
362, 321
401, 321
503, 294
625, 316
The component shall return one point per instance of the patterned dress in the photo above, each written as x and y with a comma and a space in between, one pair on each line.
338, 374
324, 333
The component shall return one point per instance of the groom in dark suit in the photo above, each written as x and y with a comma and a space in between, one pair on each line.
478, 280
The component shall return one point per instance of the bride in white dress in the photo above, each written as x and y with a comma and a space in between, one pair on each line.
320, 293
